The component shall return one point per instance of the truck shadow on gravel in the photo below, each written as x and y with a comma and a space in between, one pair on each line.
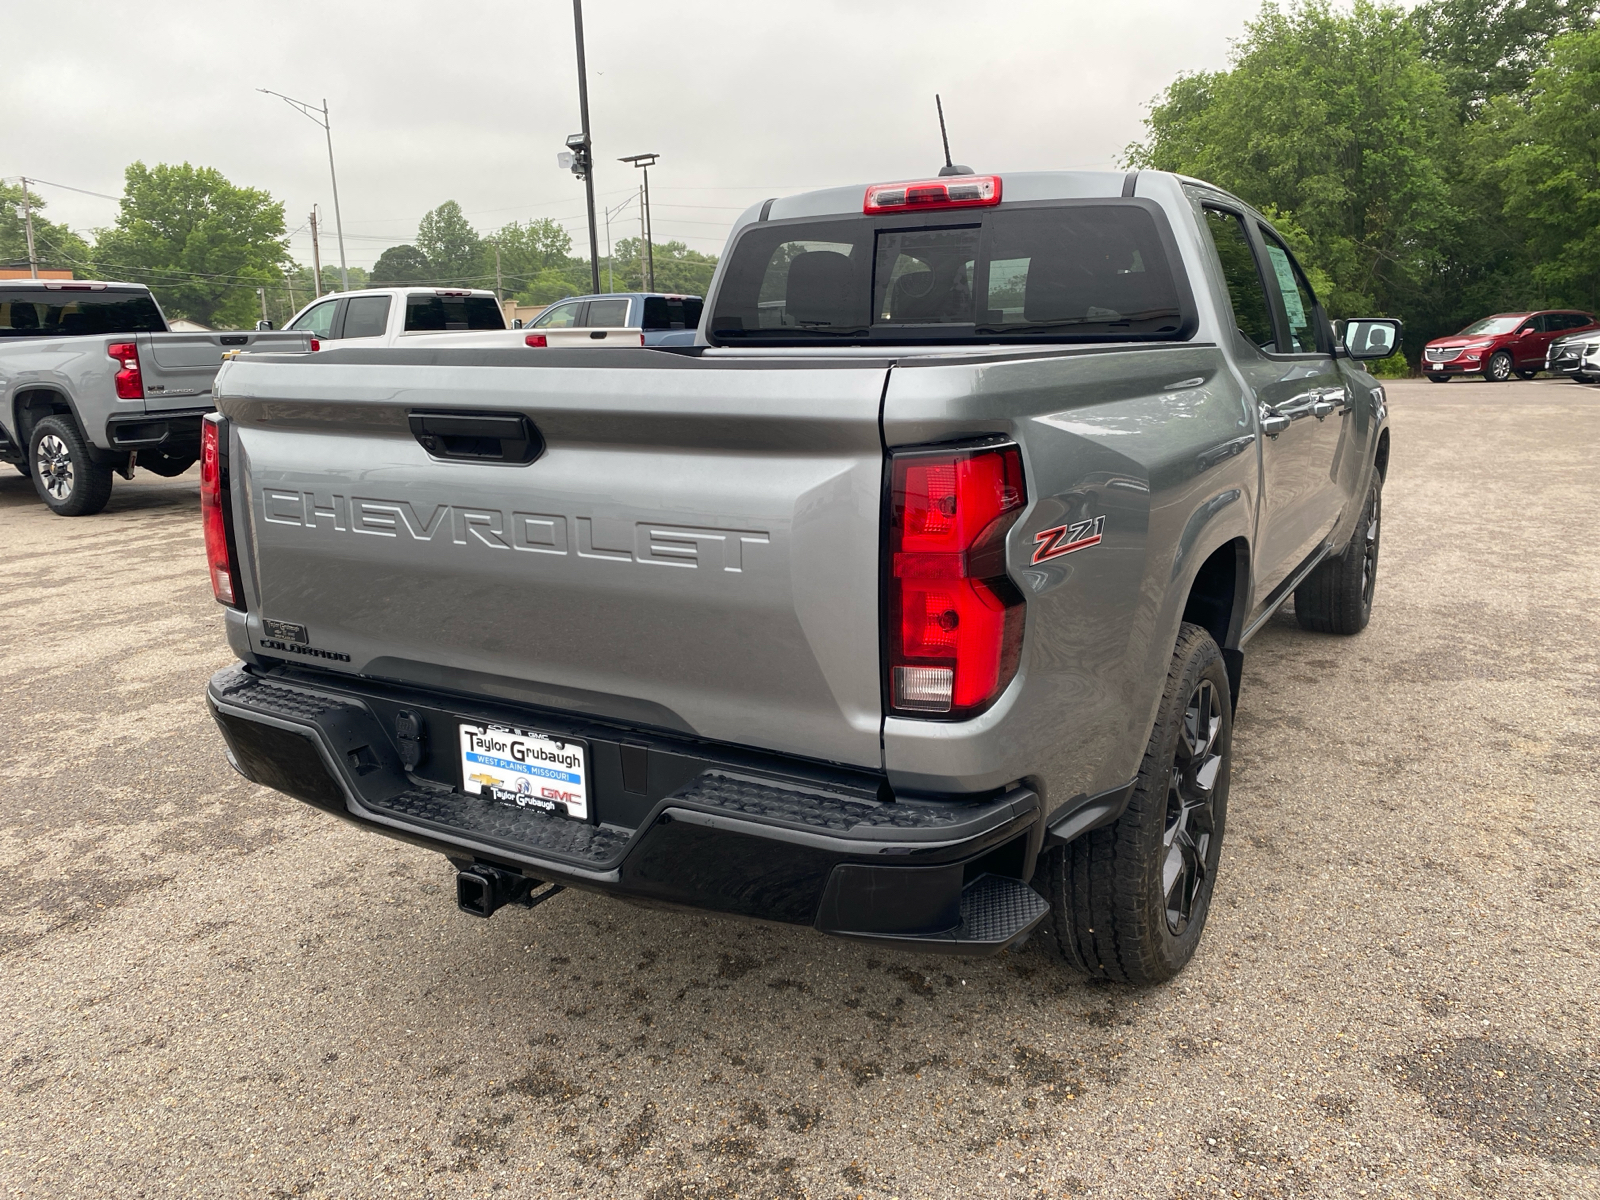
777, 1040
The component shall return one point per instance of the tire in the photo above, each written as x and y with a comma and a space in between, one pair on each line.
1130, 900
1438, 379
1499, 368
1337, 596
67, 479
1526, 374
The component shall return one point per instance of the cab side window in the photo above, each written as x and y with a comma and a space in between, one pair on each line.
366, 316
1245, 289
606, 314
318, 321
1299, 304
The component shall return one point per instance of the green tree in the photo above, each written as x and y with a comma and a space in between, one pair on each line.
55, 246
677, 268
1549, 168
452, 246
526, 251
1487, 48
399, 265
1336, 122
202, 243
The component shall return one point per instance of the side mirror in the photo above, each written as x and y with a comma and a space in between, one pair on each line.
1371, 337
262, 326
516, 322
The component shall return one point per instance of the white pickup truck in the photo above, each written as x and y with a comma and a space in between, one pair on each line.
410, 316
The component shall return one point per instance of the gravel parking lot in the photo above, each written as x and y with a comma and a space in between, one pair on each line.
210, 989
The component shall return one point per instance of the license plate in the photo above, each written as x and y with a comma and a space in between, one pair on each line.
528, 769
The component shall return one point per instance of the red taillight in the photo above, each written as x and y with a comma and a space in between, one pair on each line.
536, 339
130, 384
225, 584
316, 345
952, 191
954, 616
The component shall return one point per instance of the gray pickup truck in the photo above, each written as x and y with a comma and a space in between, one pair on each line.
909, 604
92, 382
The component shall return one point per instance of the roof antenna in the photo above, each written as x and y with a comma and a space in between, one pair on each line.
949, 167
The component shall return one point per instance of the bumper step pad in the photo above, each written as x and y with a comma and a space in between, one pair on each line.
526, 829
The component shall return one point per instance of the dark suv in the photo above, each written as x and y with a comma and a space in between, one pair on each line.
1501, 346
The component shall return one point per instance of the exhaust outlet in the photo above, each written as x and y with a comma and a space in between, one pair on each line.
481, 890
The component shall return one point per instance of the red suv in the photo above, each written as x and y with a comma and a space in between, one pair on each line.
1502, 345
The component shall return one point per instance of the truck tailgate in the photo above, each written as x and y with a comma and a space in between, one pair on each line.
178, 367
696, 548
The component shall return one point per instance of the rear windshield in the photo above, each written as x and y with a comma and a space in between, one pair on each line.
672, 312
72, 314
1099, 271
426, 312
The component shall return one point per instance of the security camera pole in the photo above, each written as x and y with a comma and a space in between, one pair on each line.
645, 162
586, 147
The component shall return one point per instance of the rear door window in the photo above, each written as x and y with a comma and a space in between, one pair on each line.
436, 313
318, 319
607, 313
1251, 310
51, 313
365, 316
562, 316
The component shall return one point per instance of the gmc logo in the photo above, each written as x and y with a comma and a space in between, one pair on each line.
711, 547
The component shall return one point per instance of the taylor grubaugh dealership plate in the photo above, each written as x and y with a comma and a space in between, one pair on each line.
528, 769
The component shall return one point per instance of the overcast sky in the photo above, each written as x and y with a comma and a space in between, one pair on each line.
471, 101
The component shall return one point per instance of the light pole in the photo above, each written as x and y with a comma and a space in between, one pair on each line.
588, 145
322, 119
645, 162
611, 275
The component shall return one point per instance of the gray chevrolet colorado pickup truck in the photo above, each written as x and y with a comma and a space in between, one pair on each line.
909, 604
92, 382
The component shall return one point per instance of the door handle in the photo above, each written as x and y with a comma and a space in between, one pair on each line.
1274, 423
1330, 399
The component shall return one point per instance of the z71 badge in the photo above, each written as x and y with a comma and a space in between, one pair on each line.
1064, 539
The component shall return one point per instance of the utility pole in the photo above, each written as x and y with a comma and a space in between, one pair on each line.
27, 217
646, 161
611, 274
498, 286
327, 128
316, 253
265, 320
588, 145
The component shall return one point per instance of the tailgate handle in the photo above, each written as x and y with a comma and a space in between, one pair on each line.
235, 339
477, 437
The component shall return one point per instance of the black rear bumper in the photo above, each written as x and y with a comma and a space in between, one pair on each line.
673, 821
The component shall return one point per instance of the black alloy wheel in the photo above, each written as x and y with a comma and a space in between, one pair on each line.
1499, 368
1191, 811
1129, 900
1337, 596
1369, 538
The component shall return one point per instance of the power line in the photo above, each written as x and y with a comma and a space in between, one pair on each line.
66, 186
